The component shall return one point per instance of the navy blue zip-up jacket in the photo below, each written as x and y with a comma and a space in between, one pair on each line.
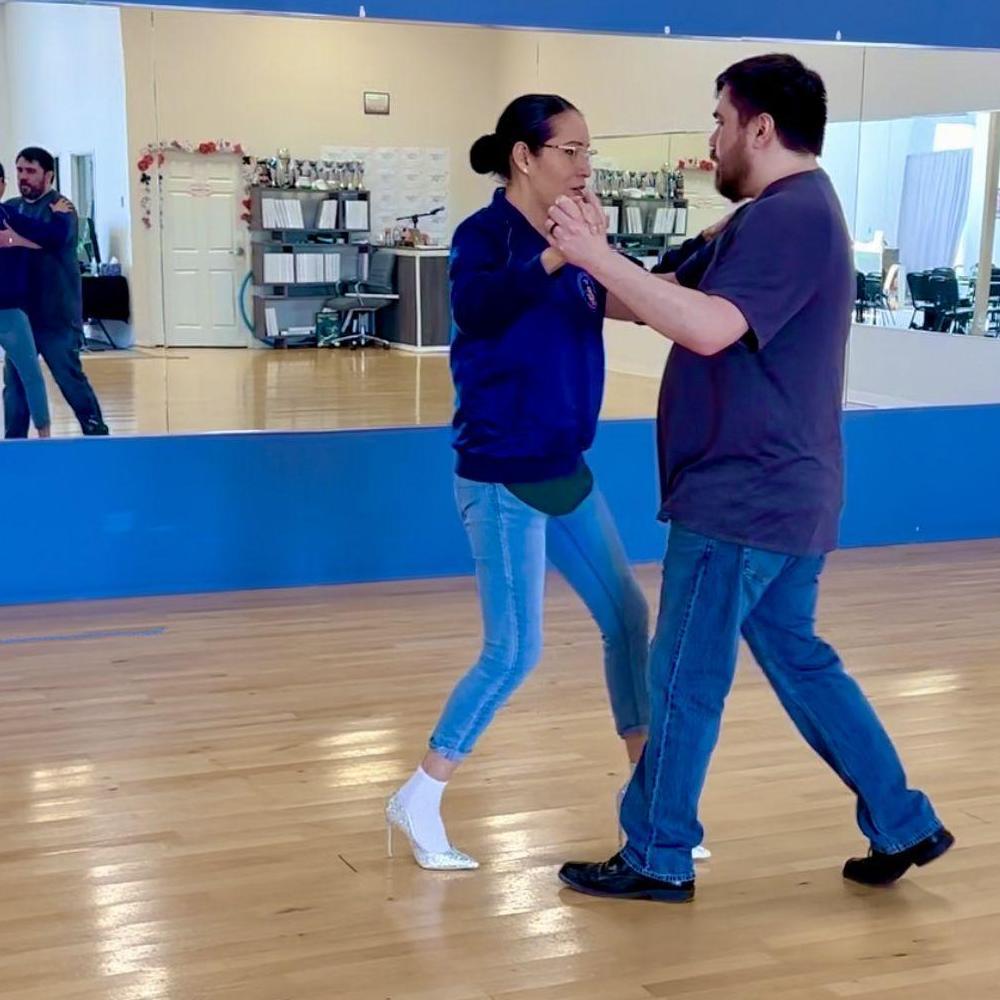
55, 293
49, 233
527, 352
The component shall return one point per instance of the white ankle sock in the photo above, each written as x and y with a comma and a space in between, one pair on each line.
421, 798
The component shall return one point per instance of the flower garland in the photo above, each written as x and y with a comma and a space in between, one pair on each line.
693, 163
153, 155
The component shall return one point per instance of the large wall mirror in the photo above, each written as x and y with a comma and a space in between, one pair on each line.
238, 220
927, 243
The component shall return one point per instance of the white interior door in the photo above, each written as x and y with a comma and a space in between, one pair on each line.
203, 251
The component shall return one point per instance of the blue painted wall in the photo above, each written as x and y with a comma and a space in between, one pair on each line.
974, 23
133, 516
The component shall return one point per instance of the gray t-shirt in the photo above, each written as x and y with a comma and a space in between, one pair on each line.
749, 440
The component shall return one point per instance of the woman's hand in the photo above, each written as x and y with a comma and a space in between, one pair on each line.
63, 205
579, 230
9, 239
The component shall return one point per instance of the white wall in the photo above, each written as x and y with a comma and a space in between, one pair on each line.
642, 85
972, 240
634, 350
65, 86
840, 161
885, 146
271, 82
6, 143
888, 367
905, 83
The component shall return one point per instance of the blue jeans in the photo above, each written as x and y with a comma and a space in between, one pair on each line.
510, 543
714, 591
22, 357
60, 350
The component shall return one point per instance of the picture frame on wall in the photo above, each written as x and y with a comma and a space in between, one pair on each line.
376, 102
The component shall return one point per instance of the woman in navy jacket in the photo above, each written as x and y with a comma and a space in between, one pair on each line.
527, 360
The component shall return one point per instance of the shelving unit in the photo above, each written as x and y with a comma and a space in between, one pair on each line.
647, 242
295, 303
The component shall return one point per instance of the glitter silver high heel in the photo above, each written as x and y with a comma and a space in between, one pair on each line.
699, 853
451, 860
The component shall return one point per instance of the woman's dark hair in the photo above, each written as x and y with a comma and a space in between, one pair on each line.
3, 176
780, 86
526, 119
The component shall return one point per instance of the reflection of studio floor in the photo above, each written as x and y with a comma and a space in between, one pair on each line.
177, 391
193, 790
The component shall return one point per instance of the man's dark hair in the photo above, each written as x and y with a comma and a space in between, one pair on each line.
782, 87
35, 154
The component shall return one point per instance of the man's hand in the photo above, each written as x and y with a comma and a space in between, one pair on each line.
578, 230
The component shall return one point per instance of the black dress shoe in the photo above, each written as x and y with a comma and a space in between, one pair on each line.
884, 869
616, 879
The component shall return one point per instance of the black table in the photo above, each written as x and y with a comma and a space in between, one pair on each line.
106, 297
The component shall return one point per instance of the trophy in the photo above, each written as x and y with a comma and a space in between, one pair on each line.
304, 174
283, 169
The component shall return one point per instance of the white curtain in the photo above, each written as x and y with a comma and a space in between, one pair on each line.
933, 209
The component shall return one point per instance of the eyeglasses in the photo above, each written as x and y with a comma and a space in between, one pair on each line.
573, 151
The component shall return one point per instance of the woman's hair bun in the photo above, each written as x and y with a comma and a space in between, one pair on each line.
485, 155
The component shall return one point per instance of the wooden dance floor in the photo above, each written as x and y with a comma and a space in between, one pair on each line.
155, 391
192, 792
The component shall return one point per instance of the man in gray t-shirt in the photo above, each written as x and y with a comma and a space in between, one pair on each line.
750, 438
749, 435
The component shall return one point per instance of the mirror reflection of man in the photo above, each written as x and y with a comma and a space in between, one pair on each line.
55, 302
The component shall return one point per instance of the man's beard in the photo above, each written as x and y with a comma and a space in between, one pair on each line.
731, 181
